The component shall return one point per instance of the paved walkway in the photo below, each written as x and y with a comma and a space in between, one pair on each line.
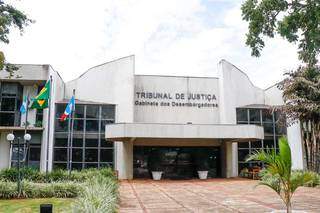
215, 195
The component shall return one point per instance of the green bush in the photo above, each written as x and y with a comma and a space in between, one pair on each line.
99, 195
9, 190
54, 176
310, 179
58, 183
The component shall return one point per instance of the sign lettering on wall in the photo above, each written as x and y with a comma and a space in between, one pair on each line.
157, 99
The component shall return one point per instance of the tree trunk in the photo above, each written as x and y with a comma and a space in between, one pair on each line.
311, 139
289, 207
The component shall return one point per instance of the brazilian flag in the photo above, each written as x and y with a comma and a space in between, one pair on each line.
42, 99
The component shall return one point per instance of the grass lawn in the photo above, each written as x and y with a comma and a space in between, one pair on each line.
33, 205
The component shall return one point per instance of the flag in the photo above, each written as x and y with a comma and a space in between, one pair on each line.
68, 109
23, 107
42, 99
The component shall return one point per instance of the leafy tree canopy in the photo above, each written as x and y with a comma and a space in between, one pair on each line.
10, 17
297, 21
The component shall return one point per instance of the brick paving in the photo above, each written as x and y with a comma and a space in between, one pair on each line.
214, 195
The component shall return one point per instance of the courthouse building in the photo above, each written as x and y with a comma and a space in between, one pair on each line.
121, 118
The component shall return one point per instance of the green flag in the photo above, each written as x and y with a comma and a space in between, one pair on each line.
41, 100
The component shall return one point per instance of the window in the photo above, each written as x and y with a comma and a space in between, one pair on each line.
30, 153
10, 102
242, 116
254, 116
274, 126
88, 148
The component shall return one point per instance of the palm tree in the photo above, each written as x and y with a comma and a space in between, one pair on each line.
278, 174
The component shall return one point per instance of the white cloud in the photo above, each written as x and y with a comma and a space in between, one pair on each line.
168, 37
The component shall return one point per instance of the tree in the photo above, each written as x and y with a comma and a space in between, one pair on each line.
10, 17
301, 92
278, 174
297, 21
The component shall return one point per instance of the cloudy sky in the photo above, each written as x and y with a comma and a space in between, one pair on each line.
169, 37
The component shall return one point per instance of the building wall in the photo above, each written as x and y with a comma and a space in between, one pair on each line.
112, 83
4, 151
57, 93
27, 72
176, 90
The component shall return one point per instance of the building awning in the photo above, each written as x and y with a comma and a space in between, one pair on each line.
163, 133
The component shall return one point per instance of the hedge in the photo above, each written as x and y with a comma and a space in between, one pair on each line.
9, 190
54, 176
57, 184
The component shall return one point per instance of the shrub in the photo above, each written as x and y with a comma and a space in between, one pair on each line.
310, 179
8, 190
27, 173
34, 175
40, 190
99, 195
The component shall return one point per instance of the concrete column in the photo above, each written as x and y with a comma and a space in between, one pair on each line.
235, 172
296, 145
223, 160
44, 143
4, 151
124, 160
231, 160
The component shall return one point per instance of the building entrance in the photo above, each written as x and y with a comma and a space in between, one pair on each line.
176, 162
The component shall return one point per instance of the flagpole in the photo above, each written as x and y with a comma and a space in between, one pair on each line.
68, 153
25, 129
48, 127
72, 124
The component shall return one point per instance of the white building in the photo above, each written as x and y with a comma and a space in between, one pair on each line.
123, 119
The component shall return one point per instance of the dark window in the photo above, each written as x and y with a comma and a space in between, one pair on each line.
108, 112
92, 111
242, 115
254, 115
77, 155
267, 116
77, 166
61, 126
10, 102
61, 142
34, 154
91, 155
268, 128
268, 143
77, 142
92, 142
243, 145
92, 125
60, 109
89, 148
60, 154
78, 125
242, 154
273, 125
79, 111
256, 144
106, 155
105, 143
7, 119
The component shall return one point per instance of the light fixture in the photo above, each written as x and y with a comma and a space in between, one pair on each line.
10, 137
27, 137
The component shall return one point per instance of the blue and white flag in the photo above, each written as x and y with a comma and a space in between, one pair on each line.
23, 108
68, 110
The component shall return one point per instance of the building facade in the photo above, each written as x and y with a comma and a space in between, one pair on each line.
124, 120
